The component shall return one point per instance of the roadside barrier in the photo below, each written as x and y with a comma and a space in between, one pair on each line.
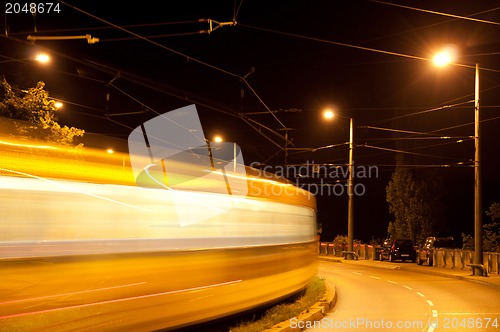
448, 258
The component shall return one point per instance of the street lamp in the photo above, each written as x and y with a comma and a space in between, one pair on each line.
443, 58
328, 114
40, 57
219, 139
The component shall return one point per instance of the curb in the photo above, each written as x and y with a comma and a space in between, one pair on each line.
470, 278
340, 260
314, 313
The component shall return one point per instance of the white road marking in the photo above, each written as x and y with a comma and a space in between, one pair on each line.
357, 273
373, 277
434, 313
408, 287
420, 294
392, 282
430, 303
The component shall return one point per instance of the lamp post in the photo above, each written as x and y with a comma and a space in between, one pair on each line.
350, 193
219, 139
478, 224
441, 59
350, 187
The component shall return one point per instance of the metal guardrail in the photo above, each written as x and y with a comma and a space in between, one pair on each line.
447, 258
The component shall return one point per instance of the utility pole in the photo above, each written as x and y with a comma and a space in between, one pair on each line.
478, 224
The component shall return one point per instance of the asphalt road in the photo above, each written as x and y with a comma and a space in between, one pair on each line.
392, 299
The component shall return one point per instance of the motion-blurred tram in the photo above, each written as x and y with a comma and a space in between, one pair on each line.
82, 247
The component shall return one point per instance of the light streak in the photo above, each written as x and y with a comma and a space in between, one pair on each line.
192, 289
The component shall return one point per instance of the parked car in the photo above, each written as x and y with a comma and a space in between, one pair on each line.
398, 249
425, 252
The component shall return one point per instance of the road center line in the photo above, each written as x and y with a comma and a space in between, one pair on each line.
420, 294
408, 287
434, 313
430, 303
392, 282
358, 274
373, 277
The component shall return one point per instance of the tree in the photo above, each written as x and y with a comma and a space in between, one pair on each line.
39, 111
491, 232
492, 229
414, 198
494, 211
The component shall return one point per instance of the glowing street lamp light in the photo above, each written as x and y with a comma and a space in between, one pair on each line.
58, 104
219, 139
442, 59
329, 114
42, 58
446, 57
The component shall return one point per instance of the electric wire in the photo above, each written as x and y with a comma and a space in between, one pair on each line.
438, 13
110, 27
363, 48
146, 83
166, 48
180, 34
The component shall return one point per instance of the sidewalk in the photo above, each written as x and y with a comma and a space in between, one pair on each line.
465, 274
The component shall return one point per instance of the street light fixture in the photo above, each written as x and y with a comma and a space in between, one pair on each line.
328, 114
445, 56
219, 139
448, 55
42, 58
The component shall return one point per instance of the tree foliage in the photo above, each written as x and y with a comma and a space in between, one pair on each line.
491, 232
414, 198
494, 211
39, 111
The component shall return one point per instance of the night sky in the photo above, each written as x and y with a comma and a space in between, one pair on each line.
367, 60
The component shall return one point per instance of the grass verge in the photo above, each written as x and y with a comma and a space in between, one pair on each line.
314, 292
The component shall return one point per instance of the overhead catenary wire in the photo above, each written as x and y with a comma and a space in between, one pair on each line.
236, 11
439, 13
363, 48
150, 41
144, 82
235, 3
110, 27
423, 112
168, 49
